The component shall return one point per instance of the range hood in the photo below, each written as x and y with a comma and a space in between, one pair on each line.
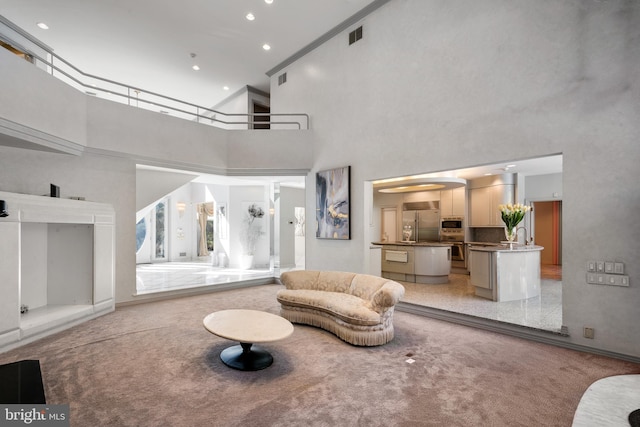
421, 206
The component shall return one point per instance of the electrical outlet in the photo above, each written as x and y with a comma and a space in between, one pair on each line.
622, 280
591, 266
608, 267
608, 279
618, 268
600, 266
589, 333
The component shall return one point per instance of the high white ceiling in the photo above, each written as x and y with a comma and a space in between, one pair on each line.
148, 43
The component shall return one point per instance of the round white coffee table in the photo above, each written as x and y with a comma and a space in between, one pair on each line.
247, 327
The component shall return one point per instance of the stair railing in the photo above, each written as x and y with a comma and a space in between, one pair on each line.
138, 97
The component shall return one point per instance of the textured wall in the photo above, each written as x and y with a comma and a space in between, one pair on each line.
438, 85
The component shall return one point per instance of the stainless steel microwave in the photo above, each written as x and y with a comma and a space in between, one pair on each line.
451, 223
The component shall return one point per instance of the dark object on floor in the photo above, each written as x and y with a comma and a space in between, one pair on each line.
634, 418
21, 382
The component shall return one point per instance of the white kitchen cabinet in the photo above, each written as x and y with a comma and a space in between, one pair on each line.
446, 203
459, 201
483, 204
417, 263
453, 202
480, 269
432, 264
502, 274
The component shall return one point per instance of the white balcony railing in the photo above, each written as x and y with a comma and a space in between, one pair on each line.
42, 56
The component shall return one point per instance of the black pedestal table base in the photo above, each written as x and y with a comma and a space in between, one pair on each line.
246, 357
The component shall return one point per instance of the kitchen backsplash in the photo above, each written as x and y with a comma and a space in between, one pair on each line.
490, 234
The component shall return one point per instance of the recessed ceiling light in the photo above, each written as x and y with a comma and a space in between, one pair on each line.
250, 16
42, 25
266, 46
226, 88
268, 1
195, 67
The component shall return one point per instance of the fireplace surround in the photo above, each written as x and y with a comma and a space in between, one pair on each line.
57, 265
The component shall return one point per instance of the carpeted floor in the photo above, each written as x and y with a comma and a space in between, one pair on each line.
155, 365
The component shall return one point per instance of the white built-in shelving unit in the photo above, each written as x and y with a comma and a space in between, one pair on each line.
57, 258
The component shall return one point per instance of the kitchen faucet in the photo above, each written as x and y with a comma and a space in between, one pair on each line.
526, 239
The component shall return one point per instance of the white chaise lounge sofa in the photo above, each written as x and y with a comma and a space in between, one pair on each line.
358, 308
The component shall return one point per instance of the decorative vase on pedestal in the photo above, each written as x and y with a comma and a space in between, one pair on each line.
246, 261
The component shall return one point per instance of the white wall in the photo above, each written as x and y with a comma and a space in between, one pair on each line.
290, 198
437, 86
98, 178
23, 85
152, 185
544, 187
240, 102
180, 229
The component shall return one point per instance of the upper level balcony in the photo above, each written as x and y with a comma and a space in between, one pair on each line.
48, 104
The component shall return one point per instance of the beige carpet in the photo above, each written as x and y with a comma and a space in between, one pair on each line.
155, 365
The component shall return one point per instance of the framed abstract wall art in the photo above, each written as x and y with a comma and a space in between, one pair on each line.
332, 204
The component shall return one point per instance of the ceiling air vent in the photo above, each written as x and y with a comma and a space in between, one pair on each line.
282, 79
355, 35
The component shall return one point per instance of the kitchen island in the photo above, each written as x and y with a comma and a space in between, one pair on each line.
418, 262
503, 274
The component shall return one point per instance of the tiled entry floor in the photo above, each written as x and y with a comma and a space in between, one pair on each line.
543, 312
170, 276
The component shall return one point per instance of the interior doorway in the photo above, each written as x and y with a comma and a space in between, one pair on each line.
259, 108
547, 230
389, 221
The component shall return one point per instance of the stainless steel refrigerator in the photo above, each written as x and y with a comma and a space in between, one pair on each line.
425, 223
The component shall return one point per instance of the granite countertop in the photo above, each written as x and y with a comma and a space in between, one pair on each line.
483, 243
505, 248
428, 244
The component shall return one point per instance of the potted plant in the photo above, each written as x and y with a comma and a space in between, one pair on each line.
511, 216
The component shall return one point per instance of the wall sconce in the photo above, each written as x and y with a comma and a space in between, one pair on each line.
181, 206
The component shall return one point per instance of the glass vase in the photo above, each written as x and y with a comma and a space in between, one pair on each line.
510, 234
